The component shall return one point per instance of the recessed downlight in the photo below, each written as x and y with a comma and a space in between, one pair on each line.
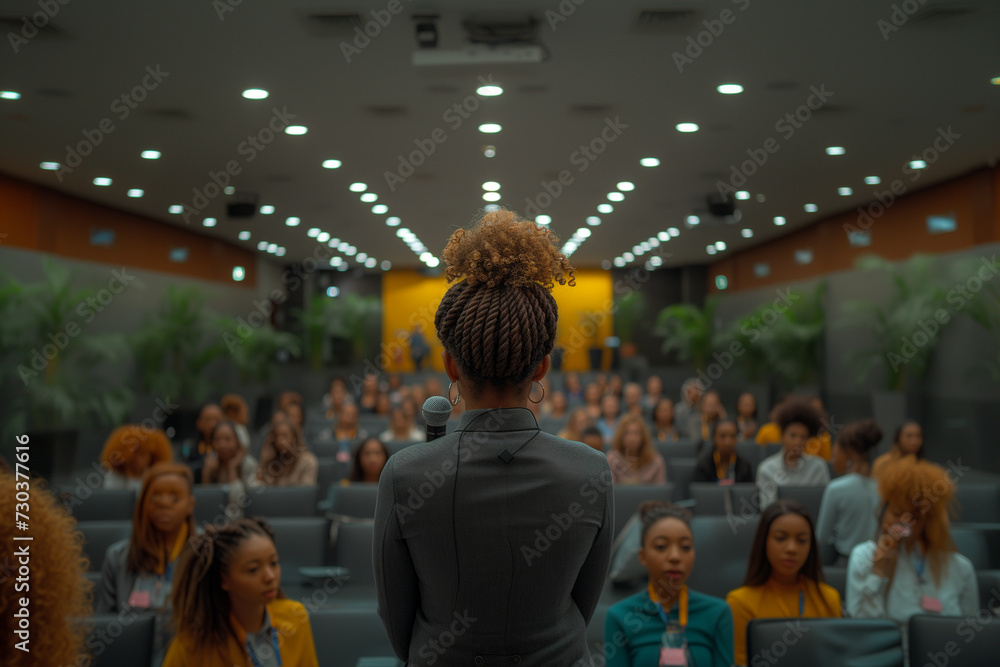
491, 186
392, 221
742, 194
746, 233
650, 162
593, 220
490, 128
150, 155
380, 209
369, 197
692, 220
102, 181
605, 208
209, 222
255, 94
835, 150
266, 209
616, 196
845, 191
292, 221
331, 164
244, 236
730, 88
313, 232
491, 196
296, 130
489, 90
50, 166
872, 180
357, 187
811, 208
543, 219
626, 186
687, 127
175, 209
779, 220
135, 193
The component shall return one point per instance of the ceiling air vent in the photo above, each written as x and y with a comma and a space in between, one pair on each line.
665, 20
335, 24
169, 114
935, 13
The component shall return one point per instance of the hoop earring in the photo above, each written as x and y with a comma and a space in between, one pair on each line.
538, 382
458, 396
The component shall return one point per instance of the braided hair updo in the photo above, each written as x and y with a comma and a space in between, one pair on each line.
499, 320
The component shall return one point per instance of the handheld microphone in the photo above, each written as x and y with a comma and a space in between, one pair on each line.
436, 411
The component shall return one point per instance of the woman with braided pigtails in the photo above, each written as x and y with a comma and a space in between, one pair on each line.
492, 543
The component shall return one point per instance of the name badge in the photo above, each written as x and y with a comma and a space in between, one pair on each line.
343, 456
672, 656
140, 599
927, 603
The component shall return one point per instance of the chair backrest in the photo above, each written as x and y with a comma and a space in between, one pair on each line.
357, 500
681, 473
398, 445
771, 449
751, 451
283, 501
711, 499
210, 501
836, 577
810, 497
326, 474
301, 542
118, 639
935, 639
989, 590
824, 642
722, 545
978, 502
354, 551
682, 449
98, 536
628, 497
345, 636
971, 543
86, 504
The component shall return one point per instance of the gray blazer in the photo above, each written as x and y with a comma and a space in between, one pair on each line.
492, 544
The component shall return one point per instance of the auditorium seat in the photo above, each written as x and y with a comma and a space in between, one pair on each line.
354, 551
712, 499
751, 451
972, 544
356, 500
344, 636
810, 497
210, 502
282, 501
824, 642
989, 590
681, 472
628, 497
682, 449
301, 542
978, 502
114, 640
722, 545
955, 640
325, 449
837, 577
771, 449
98, 504
98, 536
327, 474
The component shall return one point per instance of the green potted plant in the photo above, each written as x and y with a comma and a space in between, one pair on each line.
793, 344
689, 331
629, 311
982, 307
357, 320
315, 324
254, 353
60, 377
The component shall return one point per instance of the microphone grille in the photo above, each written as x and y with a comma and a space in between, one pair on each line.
437, 410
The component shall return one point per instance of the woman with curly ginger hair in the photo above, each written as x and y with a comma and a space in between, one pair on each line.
56, 586
486, 531
130, 451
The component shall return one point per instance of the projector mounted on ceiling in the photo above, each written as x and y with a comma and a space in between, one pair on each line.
493, 38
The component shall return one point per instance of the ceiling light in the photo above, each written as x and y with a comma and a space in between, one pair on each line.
720, 245
995, 81
313, 232
209, 222
742, 194
489, 208
386, 265
135, 193
292, 221
102, 181
323, 237
650, 162
492, 186
392, 221
627, 256
779, 220
605, 208
616, 196
835, 150
244, 236
747, 233
593, 220
336, 261
646, 247
811, 208
331, 164
844, 191
570, 247
606, 264
351, 251
918, 164
489, 91
491, 196
655, 261
626, 186
653, 242
687, 127
296, 130
673, 231
489, 128
280, 252
362, 256
334, 242
10, 95
266, 210
433, 262
663, 236
711, 250
262, 245
50, 166
583, 232
872, 180
369, 197
402, 232
619, 262
543, 219
730, 88
380, 209
229, 190
371, 262
255, 94
176, 209
238, 273
357, 187
692, 220
150, 155
489, 151
638, 250
425, 256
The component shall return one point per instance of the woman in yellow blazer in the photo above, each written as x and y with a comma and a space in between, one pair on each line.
784, 577
229, 609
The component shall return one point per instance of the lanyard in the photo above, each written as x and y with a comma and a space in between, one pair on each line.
682, 607
802, 602
274, 642
918, 564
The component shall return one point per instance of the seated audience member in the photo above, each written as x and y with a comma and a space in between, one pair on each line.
138, 571
412, 406
712, 413
130, 451
654, 392
592, 400
284, 459
720, 463
847, 515
573, 388
770, 433
368, 396
56, 593
633, 459
369, 459
615, 386
293, 411
784, 577
383, 406
229, 608
395, 390
913, 566
687, 415
819, 444
335, 400
556, 407
433, 387
632, 394
664, 429
348, 430
798, 421
228, 462
194, 454
746, 416
401, 428
908, 441
575, 424
235, 410
610, 409
592, 437
639, 621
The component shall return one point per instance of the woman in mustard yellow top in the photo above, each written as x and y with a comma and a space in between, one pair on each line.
229, 609
784, 578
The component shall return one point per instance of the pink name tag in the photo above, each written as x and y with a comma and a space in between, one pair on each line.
672, 656
927, 603
343, 456
726, 482
140, 600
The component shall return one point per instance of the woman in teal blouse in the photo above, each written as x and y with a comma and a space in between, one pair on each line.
634, 627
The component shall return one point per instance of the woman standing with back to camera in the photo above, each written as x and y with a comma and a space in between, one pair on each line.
492, 543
